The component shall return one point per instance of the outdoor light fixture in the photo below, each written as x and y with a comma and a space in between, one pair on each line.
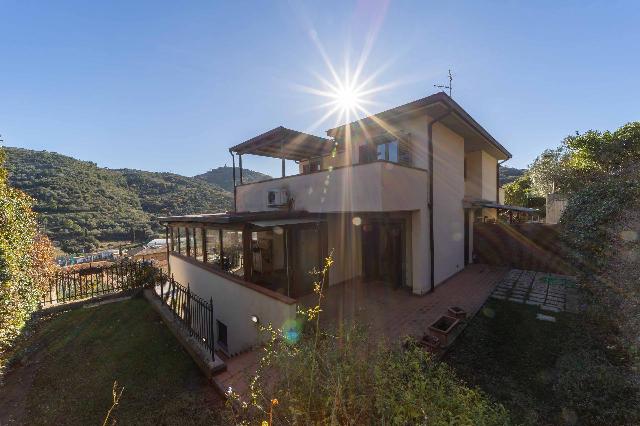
254, 319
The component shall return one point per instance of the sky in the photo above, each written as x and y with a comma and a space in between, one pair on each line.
170, 86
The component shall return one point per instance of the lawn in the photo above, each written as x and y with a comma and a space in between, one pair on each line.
542, 372
74, 358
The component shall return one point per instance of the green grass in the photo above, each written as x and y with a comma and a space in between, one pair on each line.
546, 372
512, 356
88, 349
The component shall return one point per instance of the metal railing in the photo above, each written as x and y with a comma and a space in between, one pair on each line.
195, 313
79, 284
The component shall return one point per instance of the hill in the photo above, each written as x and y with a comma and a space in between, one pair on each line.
83, 206
223, 177
509, 174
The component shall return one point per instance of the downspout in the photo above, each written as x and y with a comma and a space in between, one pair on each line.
430, 203
233, 160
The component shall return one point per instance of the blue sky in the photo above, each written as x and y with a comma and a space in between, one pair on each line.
169, 86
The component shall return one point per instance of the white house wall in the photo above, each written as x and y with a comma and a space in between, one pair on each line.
448, 192
374, 187
233, 303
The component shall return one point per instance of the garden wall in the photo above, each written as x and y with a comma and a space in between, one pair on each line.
529, 246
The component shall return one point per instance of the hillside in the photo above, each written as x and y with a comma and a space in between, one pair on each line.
223, 177
509, 174
82, 205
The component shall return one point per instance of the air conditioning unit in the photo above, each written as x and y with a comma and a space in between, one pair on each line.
277, 198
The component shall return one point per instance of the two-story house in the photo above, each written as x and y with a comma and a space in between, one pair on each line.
393, 196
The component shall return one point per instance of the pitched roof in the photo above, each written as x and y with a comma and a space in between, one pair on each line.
434, 105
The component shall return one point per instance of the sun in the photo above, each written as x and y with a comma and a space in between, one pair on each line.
348, 98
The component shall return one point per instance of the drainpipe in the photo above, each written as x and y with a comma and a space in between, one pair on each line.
233, 160
430, 203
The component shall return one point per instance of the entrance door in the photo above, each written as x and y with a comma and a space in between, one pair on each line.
382, 251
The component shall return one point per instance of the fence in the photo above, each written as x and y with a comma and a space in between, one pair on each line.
87, 283
195, 313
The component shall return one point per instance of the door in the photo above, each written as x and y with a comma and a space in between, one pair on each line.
382, 251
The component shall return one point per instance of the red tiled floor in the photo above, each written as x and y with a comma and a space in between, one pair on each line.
389, 313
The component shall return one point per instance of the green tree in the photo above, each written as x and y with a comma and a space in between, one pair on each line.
548, 173
25, 260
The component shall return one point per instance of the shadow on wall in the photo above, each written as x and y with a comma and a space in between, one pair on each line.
528, 246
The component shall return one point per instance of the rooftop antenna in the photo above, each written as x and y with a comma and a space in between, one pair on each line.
442, 86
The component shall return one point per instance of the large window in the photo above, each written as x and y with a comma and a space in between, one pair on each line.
388, 151
198, 246
232, 251
219, 247
212, 238
182, 240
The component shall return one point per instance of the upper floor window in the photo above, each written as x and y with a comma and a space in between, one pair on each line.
313, 165
388, 151
393, 150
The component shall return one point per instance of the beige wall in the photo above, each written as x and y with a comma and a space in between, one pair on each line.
481, 176
448, 192
233, 303
489, 187
473, 182
374, 187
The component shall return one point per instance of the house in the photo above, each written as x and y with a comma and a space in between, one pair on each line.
393, 196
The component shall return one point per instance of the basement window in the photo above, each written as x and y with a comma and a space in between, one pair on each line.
222, 335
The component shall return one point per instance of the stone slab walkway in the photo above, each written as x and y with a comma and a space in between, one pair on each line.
551, 292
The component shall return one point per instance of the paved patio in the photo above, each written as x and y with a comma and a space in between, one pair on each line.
388, 313
551, 292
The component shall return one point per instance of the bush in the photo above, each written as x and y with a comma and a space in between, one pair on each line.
25, 261
311, 376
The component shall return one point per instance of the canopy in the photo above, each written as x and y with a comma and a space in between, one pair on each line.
283, 222
285, 143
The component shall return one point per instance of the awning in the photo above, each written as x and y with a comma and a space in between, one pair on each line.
285, 143
283, 222
490, 205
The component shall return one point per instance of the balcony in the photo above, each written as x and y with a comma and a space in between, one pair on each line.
380, 186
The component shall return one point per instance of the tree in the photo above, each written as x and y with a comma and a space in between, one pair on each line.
25, 260
548, 172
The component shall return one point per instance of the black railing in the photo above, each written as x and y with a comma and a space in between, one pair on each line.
195, 313
79, 284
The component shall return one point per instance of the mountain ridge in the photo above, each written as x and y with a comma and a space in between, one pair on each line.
83, 206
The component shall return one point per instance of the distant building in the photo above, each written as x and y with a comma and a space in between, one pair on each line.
556, 203
156, 243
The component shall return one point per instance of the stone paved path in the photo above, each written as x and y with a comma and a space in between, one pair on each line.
551, 292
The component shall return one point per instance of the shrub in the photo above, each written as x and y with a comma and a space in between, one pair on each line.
25, 261
313, 376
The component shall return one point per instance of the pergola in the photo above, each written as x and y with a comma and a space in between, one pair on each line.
282, 143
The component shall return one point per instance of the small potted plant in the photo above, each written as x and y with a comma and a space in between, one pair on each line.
443, 327
457, 312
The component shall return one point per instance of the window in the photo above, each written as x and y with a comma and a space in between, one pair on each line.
198, 246
182, 241
222, 334
232, 251
212, 238
172, 240
314, 165
388, 151
395, 151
